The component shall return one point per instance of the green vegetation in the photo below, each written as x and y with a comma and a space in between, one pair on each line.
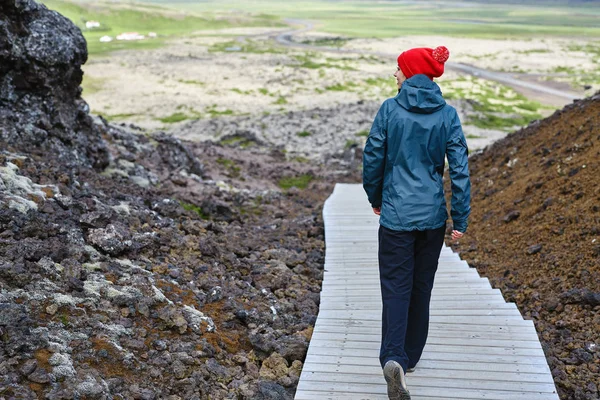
497, 106
237, 141
115, 117
300, 159
194, 208
364, 133
192, 82
239, 91
174, 118
232, 168
301, 182
350, 143
307, 61
327, 42
91, 85
304, 134
532, 51
167, 22
360, 18
247, 46
280, 101
214, 112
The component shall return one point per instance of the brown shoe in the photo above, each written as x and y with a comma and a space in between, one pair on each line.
396, 384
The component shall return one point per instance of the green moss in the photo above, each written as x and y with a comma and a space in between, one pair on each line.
280, 101
174, 118
350, 143
327, 42
301, 159
498, 106
239, 91
304, 134
232, 168
194, 208
115, 117
491, 121
338, 87
532, 51
263, 91
237, 141
301, 182
214, 112
364, 133
306, 61
192, 82
247, 46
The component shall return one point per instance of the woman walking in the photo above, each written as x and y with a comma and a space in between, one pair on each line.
403, 165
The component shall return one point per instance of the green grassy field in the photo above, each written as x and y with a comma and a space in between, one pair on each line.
358, 18
119, 17
395, 18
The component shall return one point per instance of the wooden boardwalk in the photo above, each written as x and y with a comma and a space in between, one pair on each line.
479, 346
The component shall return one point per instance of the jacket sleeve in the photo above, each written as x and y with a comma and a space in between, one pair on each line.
374, 158
457, 153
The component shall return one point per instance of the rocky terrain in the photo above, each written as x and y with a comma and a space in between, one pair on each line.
535, 232
138, 266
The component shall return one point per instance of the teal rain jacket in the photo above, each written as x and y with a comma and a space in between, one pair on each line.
404, 160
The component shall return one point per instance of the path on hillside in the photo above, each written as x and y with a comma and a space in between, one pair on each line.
479, 347
537, 91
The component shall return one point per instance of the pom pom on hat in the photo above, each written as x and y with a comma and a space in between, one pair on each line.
423, 60
440, 54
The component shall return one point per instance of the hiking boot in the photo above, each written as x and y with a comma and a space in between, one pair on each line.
396, 384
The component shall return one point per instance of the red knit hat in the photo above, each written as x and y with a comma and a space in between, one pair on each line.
423, 60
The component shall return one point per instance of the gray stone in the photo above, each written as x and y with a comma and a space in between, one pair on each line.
39, 376
28, 367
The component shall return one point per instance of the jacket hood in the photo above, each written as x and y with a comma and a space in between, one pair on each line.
419, 94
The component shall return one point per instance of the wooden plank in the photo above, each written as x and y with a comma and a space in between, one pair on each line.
416, 391
375, 312
528, 372
466, 319
350, 279
472, 328
439, 304
375, 294
458, 379
349, 338
458, 293
329, 347
526, 335
516, 361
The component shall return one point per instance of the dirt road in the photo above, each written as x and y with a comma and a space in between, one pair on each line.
537, 91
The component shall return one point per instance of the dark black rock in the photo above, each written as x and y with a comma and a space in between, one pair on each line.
41, 109
511, 216
581, 296
536, 248
268, 390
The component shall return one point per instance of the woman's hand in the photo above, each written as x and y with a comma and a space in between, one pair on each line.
457, 235
377, 210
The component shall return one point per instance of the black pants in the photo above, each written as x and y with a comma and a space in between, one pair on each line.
407, 265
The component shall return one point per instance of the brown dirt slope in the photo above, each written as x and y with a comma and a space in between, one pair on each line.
535, 232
